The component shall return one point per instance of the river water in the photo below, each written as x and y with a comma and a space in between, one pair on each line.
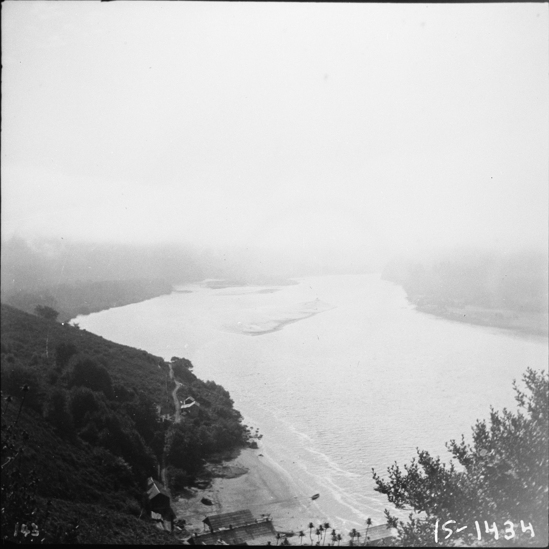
339, 373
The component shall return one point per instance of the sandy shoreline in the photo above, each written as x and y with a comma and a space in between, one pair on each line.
258, 485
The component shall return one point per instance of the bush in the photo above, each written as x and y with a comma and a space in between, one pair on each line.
63, 353
182, 369
46, 312
178, 479
57, 412
14, 377
88, 373
83, 401
183, 448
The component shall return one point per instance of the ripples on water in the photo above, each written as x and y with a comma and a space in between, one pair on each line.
359, 384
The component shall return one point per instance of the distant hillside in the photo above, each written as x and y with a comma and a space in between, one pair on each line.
96, 421
80, 278
83, 298
29, 265
509, 291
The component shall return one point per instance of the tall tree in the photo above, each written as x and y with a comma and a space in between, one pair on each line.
326, 526
352, 535
63, 353
46, 312
368, 524
501, 477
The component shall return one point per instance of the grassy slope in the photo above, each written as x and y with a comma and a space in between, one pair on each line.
79, 487
30, 338
76, 476
73, 474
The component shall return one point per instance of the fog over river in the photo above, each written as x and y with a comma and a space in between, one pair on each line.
339, 373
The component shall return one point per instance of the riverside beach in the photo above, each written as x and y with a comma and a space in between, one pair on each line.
250, 481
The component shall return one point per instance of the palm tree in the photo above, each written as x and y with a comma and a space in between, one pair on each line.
326, 526
301, 534
352, 533
334, 537
318, 534
358, 538
311, 526
368, 524
338, 539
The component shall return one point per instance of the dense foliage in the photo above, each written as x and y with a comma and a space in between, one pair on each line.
515, 281
211, 427
46, 312
500, 478
93, 422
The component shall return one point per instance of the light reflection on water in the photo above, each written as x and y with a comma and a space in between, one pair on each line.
353, 387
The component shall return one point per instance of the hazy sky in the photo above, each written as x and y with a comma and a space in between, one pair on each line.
366, 127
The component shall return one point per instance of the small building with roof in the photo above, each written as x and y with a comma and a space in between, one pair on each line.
229, 520
159, 498
236, 528
189, 407
160, 503
188, 402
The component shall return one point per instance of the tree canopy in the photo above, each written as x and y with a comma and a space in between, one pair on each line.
46, 312
497, 490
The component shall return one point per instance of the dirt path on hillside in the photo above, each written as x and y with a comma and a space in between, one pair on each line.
177, 416
177, 419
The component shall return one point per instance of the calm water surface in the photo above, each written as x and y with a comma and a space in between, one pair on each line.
359, 385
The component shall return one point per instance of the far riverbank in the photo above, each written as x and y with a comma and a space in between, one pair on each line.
523, 323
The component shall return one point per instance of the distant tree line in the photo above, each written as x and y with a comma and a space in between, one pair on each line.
516, 281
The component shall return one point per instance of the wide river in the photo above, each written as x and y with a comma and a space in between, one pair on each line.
339, 373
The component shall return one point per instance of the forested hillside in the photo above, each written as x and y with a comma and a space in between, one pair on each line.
89, 421
82, 298
507, 290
